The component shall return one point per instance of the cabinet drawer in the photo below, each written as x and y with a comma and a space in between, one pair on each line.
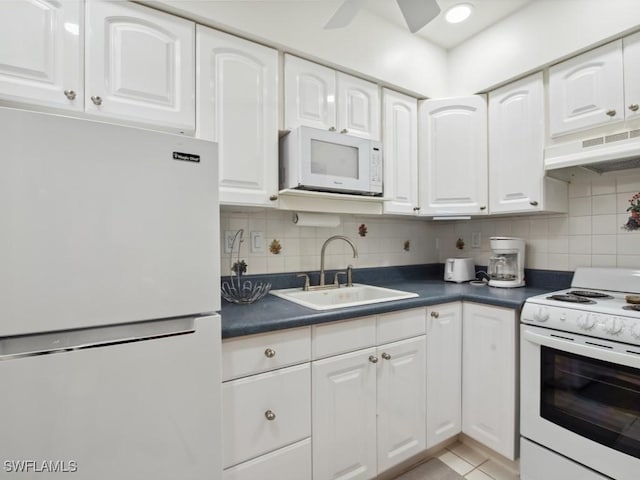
248, 403
292, 462
244, 356
340, 337
399, 325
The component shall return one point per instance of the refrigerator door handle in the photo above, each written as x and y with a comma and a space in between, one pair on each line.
65, 340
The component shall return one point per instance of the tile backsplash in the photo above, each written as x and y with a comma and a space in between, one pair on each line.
383, 245
591, 234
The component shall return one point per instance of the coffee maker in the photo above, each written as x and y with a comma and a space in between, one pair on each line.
506, 266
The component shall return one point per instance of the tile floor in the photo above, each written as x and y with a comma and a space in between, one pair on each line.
468, 462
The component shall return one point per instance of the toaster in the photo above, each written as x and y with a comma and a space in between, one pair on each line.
461, 269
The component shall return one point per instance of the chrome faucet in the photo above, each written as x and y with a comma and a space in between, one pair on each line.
324, 247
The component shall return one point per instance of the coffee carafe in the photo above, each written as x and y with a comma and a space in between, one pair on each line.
506, 265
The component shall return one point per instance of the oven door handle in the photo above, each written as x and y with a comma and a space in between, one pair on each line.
630, 359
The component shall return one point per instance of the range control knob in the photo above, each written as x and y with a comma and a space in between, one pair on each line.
586, 321
613, 325
635, 331
541, 314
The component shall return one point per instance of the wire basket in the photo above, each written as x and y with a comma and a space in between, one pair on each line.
236, 290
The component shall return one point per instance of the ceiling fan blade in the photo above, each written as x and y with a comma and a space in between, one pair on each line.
417, 13
345, 14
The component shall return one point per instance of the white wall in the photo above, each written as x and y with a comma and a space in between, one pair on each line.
539, 34
369, 46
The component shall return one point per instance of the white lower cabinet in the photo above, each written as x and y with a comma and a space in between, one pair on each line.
266, 424
444, 372
369, 409
344, 416
291, 462
489, 366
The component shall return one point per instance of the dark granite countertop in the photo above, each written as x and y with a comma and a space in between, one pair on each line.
273, 313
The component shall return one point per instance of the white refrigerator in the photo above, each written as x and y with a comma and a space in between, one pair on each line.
109, 293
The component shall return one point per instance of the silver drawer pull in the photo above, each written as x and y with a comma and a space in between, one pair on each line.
269, 353
70, 94
435, 314
611, 113
373, 359
634, 107
96, 100
270, 415
386, 356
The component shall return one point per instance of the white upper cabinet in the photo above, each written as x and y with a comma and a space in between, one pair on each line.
237, 107
41, 55
310, 94
319, 97
400, 141
516, 151
453, 156
358, 107
631, 50
587, 91
140, 65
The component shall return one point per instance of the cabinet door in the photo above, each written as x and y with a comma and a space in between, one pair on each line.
453, 156
489, 377
41, 54
631, 50
586, 91
444, 372
401, 401
309, 94
358, 107
516, 146
400, 144
344, 416
291, 462
140, 65
237, 107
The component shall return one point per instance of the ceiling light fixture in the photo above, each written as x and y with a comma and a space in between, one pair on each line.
459, 13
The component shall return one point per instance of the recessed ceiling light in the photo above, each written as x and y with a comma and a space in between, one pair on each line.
459, 13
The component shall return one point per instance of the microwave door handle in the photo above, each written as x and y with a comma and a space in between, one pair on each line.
567, 345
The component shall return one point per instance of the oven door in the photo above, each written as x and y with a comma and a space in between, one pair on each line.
580, 397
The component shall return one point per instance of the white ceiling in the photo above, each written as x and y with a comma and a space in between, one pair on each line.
447, 35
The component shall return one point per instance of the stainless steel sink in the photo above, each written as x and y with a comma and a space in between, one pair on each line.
355, 295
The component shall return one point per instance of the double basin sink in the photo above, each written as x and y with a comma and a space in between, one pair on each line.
355, 295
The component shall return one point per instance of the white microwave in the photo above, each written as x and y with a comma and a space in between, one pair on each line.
313, 159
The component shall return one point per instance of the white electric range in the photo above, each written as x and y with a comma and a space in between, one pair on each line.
580, 379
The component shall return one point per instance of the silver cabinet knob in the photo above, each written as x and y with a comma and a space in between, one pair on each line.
269, 353
96, 100
416, 209
484, 207
273, 198
533, 203
332, 129
611, 113
70, 94
373, 359
634, 107
344, 130
435, 314
386, 356
269, 415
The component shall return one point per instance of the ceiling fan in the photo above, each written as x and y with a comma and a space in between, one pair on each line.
417, 13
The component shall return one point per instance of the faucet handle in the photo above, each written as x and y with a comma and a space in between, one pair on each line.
349, 275
335, 278
306, 281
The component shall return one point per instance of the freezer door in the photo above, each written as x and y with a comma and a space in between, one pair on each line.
146, 409
103, 224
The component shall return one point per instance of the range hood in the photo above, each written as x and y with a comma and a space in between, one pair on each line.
597, 153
